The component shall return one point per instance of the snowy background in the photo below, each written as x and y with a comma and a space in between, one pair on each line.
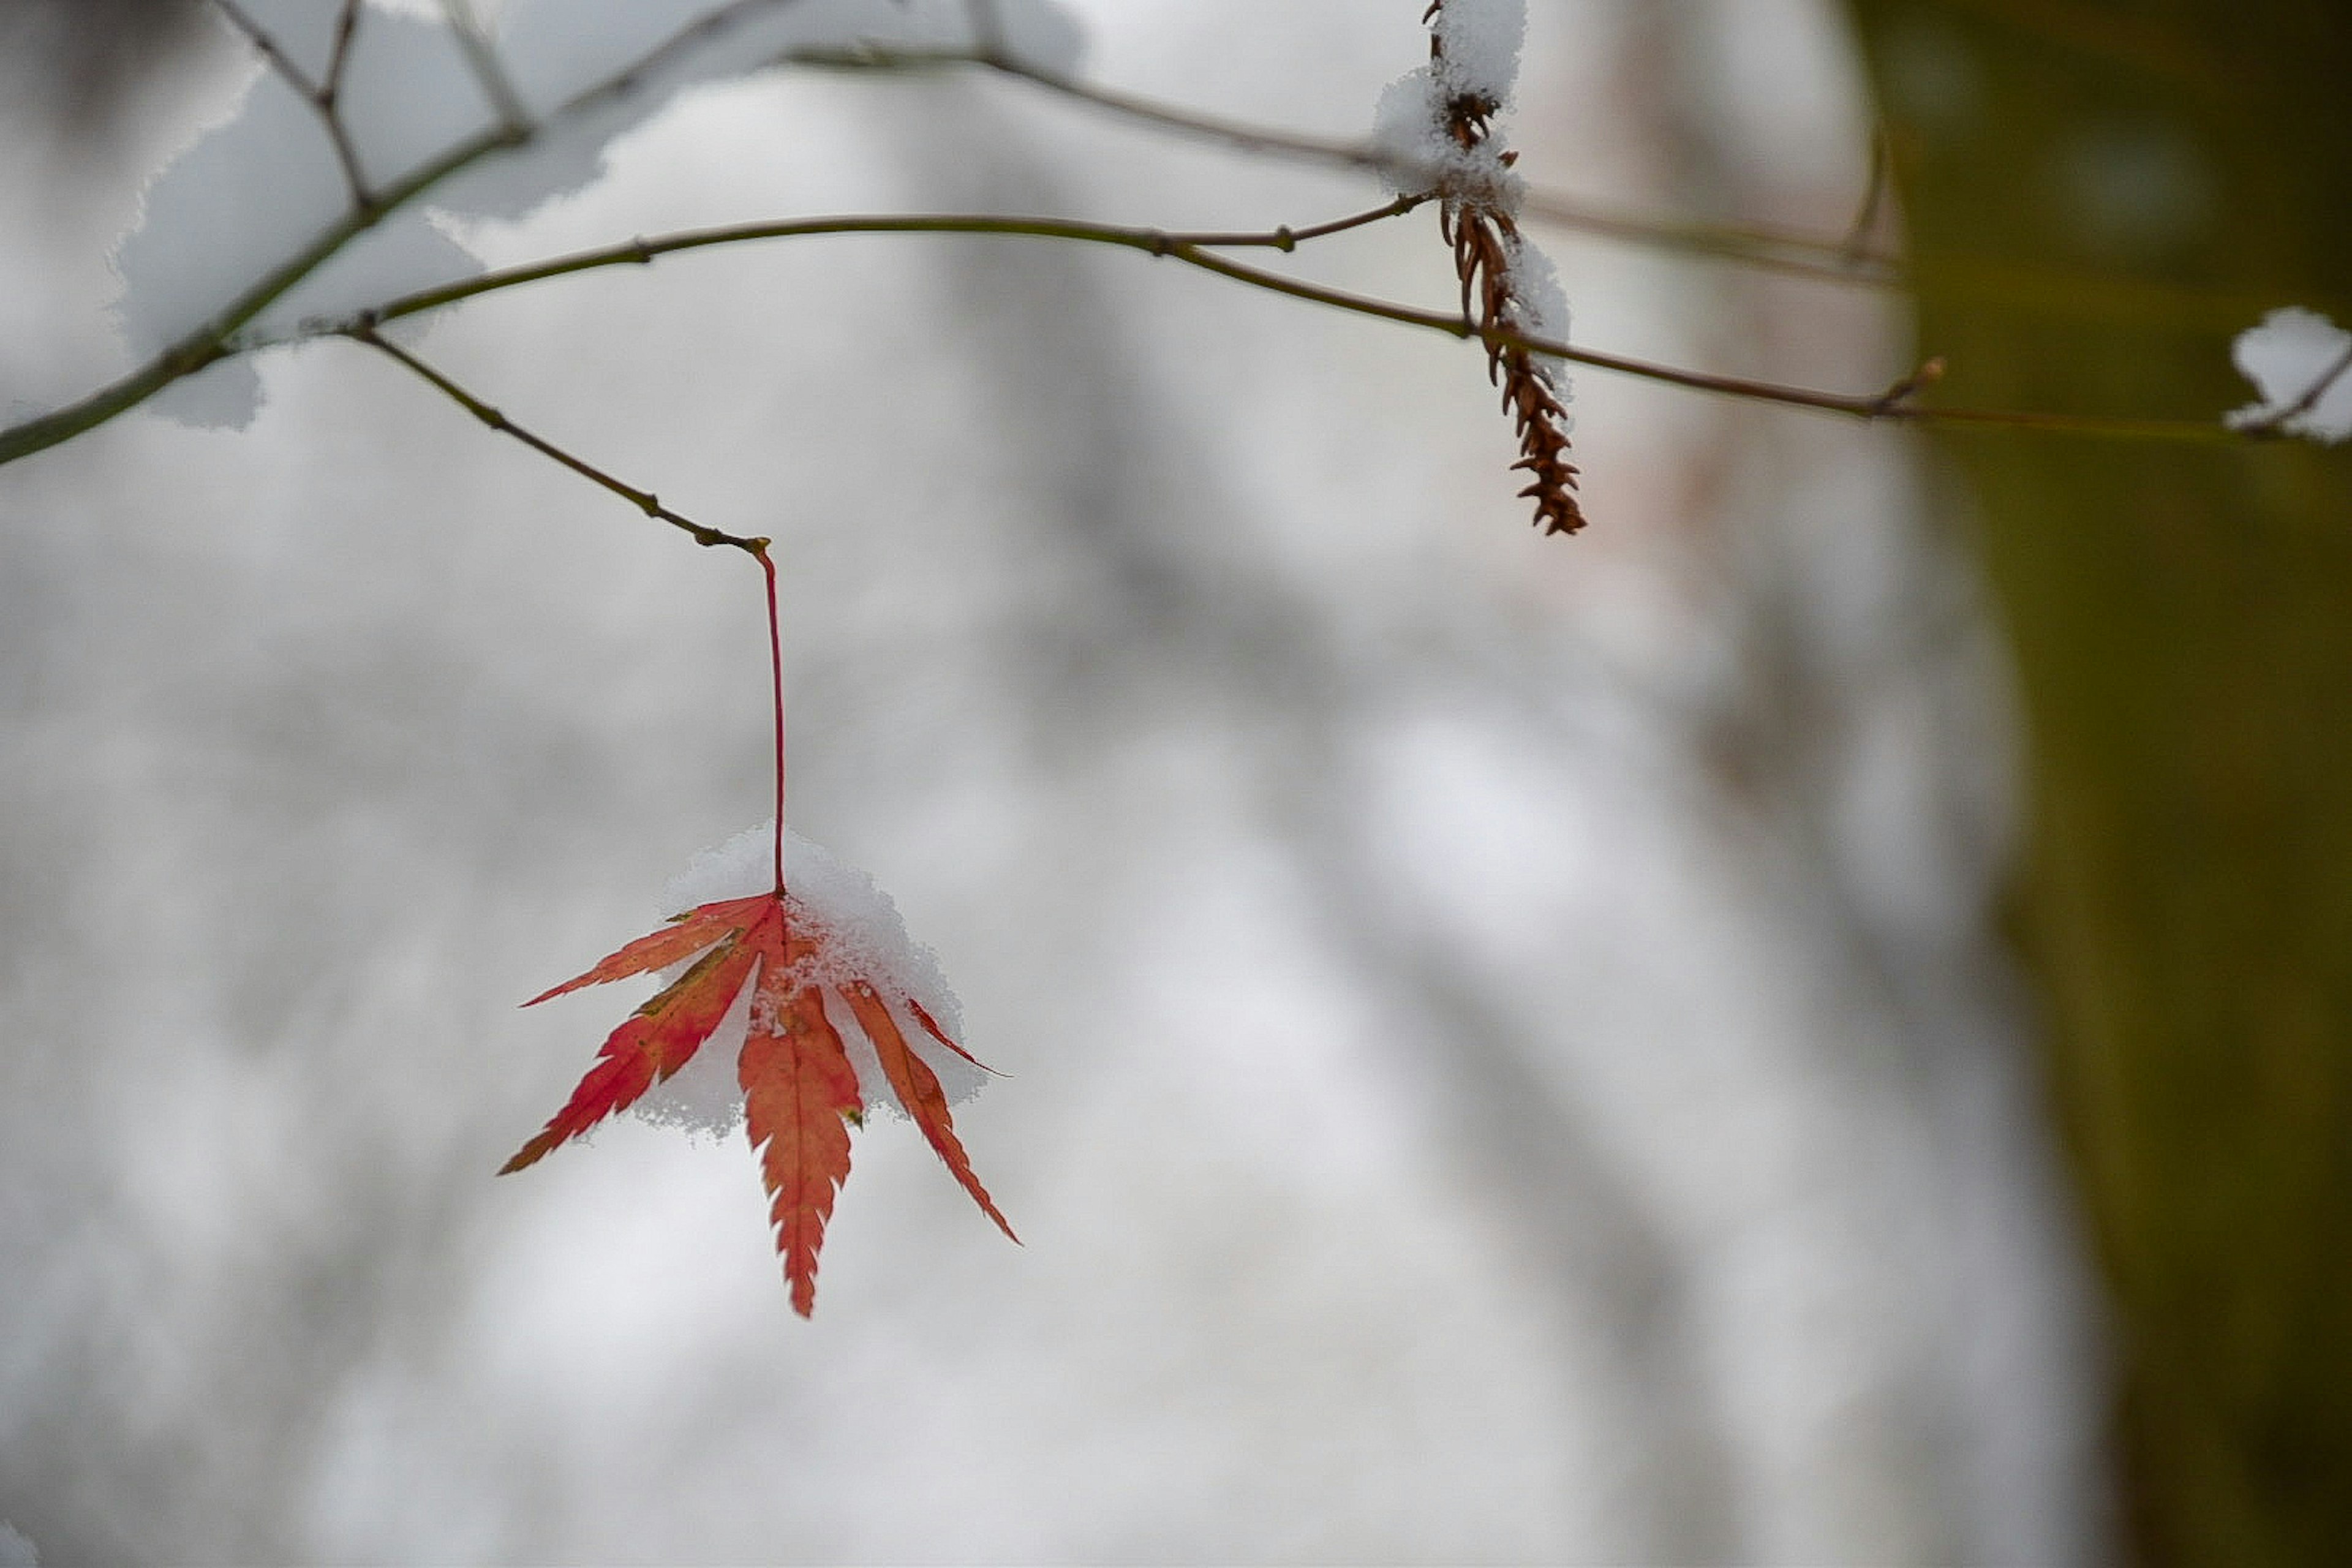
1509, 1059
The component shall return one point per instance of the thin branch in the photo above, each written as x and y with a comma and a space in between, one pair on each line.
212, 341
1874, 198
329, 102
320, 95
483, 60
644, 500
1836, 259
339, 54
220, 338
987, 29
1285, 238
1765, 248
1890, 405
267, 47
1771, 249
1191, 246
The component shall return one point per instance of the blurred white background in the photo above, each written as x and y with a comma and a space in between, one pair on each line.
1510, 1060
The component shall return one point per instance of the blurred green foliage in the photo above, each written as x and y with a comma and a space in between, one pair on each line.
2098, 195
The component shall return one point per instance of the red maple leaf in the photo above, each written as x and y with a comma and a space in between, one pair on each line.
801, 1095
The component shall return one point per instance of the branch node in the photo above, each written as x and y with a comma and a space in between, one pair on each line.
1896, 399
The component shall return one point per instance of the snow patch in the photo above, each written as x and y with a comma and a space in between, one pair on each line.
2285, 356
258, 190
1538, 307
1477, 58
1478, 44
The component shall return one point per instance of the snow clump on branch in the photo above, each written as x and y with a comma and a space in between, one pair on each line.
2301, 364
1474, 60
258, 190
1436, 128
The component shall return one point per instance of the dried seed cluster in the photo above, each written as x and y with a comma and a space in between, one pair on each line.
1488, 250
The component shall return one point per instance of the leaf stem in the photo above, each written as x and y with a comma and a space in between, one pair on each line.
647, 502
776, 674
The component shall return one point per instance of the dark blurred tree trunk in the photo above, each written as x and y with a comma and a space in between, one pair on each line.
2098, 194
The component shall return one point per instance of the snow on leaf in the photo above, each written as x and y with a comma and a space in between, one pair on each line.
801, 1089
865, 936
